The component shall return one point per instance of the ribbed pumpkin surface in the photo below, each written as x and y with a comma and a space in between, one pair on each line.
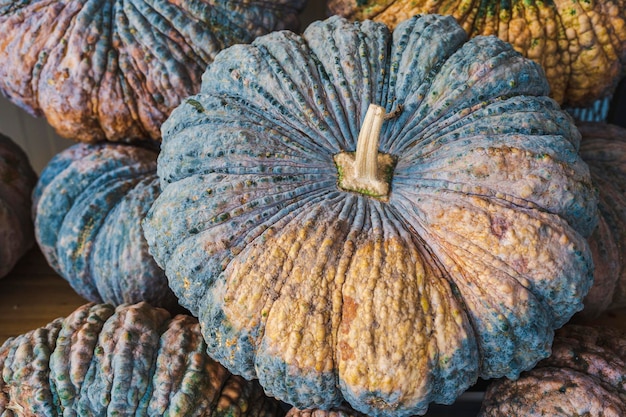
323, 294
17, 180
603, 148
584, 376
580, 44
112, 69
88, 207
134, 360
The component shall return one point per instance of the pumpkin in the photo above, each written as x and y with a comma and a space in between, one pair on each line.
88, 205
341, 411
130, 360
603, 148
373, 216
115, 69
17, 180
584, 376
580, 44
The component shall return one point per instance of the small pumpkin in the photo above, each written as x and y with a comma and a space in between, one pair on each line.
114, 69
373, 216
580, 44
584, 376
129, 360
88, 205
17, 180
603, 148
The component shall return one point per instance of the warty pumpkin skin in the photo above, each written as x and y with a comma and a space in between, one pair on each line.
392, 302
17, 180
581, 45
584, 376
88, 205
133, 360
603, 148
112, 69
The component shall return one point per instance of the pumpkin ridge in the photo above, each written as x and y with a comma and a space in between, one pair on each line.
300, 99
73, 350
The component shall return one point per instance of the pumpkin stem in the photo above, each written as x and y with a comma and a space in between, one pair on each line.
367, 171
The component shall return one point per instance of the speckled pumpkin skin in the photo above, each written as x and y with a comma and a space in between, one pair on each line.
324, 294
113, 69
584, 376
603, 148
17, 180
133, 360
580, 44
88, 205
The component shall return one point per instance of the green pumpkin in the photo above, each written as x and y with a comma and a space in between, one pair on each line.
374, 217
584, 376
113, 69
131, 360
88, 206
17, 180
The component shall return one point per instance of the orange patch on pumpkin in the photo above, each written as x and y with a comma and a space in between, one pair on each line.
349, 312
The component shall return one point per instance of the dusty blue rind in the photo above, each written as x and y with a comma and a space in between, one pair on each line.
88, 207
286, 104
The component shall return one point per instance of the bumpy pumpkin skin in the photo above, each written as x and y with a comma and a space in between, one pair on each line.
581, 45
131, 360
342, 411
324, 294
17, 180
112, 69
603, 148
584, 376
88, 205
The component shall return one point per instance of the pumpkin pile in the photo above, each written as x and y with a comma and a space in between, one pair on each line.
580, 44
17, 180
376, 217
363, 219
88, 205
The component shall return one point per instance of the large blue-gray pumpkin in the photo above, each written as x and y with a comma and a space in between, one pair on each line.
17, 180
114, 69
133, 360
372, 216
88, 205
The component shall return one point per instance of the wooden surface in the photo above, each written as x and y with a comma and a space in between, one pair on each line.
33, 295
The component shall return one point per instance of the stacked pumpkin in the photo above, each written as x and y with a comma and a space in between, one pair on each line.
374, 217
580, 44
584, 376
17, 180
603, 148
133, 359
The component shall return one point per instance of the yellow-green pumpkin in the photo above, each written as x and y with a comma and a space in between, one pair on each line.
581, 45
374, 217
